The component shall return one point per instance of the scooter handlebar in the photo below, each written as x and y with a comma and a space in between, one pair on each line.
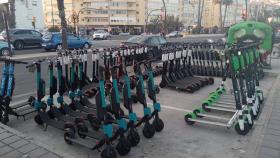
13, 61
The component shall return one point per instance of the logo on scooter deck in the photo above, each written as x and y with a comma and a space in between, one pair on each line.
132, 117
60, 99
122, 124
71, 95
147, 111
157, 107
38, 105
50, 101
108, 130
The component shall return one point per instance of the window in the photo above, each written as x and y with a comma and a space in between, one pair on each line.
36, 33
71, 37
22, 32
162, 40
153, 41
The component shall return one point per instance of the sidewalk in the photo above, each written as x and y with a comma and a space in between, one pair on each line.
265, 142
14, 144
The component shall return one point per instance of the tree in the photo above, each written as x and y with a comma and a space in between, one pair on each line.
172, 24
60, 6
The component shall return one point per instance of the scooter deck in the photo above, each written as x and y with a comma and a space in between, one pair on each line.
54, 123
88, 143
82, 108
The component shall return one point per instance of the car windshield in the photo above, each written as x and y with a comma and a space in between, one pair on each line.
137, 39
47, 36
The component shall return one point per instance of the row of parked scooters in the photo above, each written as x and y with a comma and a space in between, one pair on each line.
179, 68
70, 104
243, 105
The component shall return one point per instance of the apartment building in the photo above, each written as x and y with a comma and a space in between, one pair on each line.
28, 10
173, 8
117, 15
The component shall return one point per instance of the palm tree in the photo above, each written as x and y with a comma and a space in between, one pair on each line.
226, 3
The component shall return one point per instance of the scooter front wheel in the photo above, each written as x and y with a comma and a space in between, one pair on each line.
38, 120
158, 124
123, 147
109, 152
133, 137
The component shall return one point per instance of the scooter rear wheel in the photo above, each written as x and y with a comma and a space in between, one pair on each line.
109, 152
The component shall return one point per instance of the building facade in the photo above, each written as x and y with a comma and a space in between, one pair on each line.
115, 16
26, 11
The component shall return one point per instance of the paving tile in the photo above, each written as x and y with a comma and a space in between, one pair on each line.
272, 132
37, 153
1, 144
271, 144
274, 122
13, 154
27, 148
270, 137
5, 149
275, 118
50, 155
11, 139
272, 126
5, 135
19, 143
266, 152
2, 130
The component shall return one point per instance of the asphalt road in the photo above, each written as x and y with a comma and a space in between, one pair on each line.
116, 40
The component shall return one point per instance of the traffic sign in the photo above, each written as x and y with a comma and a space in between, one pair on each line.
4, 1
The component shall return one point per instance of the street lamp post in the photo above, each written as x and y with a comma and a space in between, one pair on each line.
147, 18
164, 6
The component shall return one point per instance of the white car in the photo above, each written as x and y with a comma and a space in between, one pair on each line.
100, 34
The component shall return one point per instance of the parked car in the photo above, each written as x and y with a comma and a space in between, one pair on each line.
101, 34
4, 48
174, 34
54, 41
124, 34
21, 38
154, 41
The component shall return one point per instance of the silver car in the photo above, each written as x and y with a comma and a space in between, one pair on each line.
21, 38
100, 34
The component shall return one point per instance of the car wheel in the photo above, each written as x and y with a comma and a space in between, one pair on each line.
47, 50
5, 52
86, 46
59, 47
19, 45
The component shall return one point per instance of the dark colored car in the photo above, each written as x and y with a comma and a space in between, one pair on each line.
154, 41
53, 41
21, 38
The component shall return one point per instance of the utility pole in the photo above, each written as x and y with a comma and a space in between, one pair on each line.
165, 15
221, 16
60, 6
6, 25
